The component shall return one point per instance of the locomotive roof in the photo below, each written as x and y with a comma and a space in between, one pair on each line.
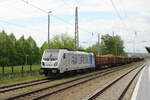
52, 50
67, 50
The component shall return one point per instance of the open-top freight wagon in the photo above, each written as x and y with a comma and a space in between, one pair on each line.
110, 60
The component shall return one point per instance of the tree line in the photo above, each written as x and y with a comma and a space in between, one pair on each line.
25, 51
18, 52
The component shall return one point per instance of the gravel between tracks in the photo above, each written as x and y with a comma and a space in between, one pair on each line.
39, 86
79, 92
35, 87
129, 92
31, 96
115, 90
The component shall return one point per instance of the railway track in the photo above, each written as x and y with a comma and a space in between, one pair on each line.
8, 90
13, 87
23, 85
47, 91
101, 91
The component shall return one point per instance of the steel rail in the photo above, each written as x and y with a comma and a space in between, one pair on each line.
7, 89
106, 86
102, 74
105, 72
12, 85
128, 85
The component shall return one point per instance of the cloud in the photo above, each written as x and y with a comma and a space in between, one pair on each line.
135, 16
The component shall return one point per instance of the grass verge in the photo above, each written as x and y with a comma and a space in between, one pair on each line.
8, 69
19, 78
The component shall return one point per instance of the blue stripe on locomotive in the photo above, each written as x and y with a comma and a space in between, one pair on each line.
90, 60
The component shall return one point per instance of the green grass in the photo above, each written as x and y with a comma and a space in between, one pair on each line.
17, 76
19, 69
6, 80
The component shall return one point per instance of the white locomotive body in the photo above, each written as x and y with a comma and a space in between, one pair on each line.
56, 61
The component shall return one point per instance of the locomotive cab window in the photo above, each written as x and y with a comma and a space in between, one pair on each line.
50, 55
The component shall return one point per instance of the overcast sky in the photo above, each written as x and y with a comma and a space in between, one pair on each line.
123, 17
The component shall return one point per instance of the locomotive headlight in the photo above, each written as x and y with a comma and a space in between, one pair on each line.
55, 64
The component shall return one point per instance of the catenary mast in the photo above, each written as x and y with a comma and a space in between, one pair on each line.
76, 29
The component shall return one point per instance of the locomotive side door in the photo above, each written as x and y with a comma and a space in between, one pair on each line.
63, 63
67, 60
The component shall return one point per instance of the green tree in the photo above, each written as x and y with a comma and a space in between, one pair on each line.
34, 54
15, 52
62, 41
96, 48
4, 60
43, 47
113, 45
12, 49
20, 45
59, 42
109, 45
